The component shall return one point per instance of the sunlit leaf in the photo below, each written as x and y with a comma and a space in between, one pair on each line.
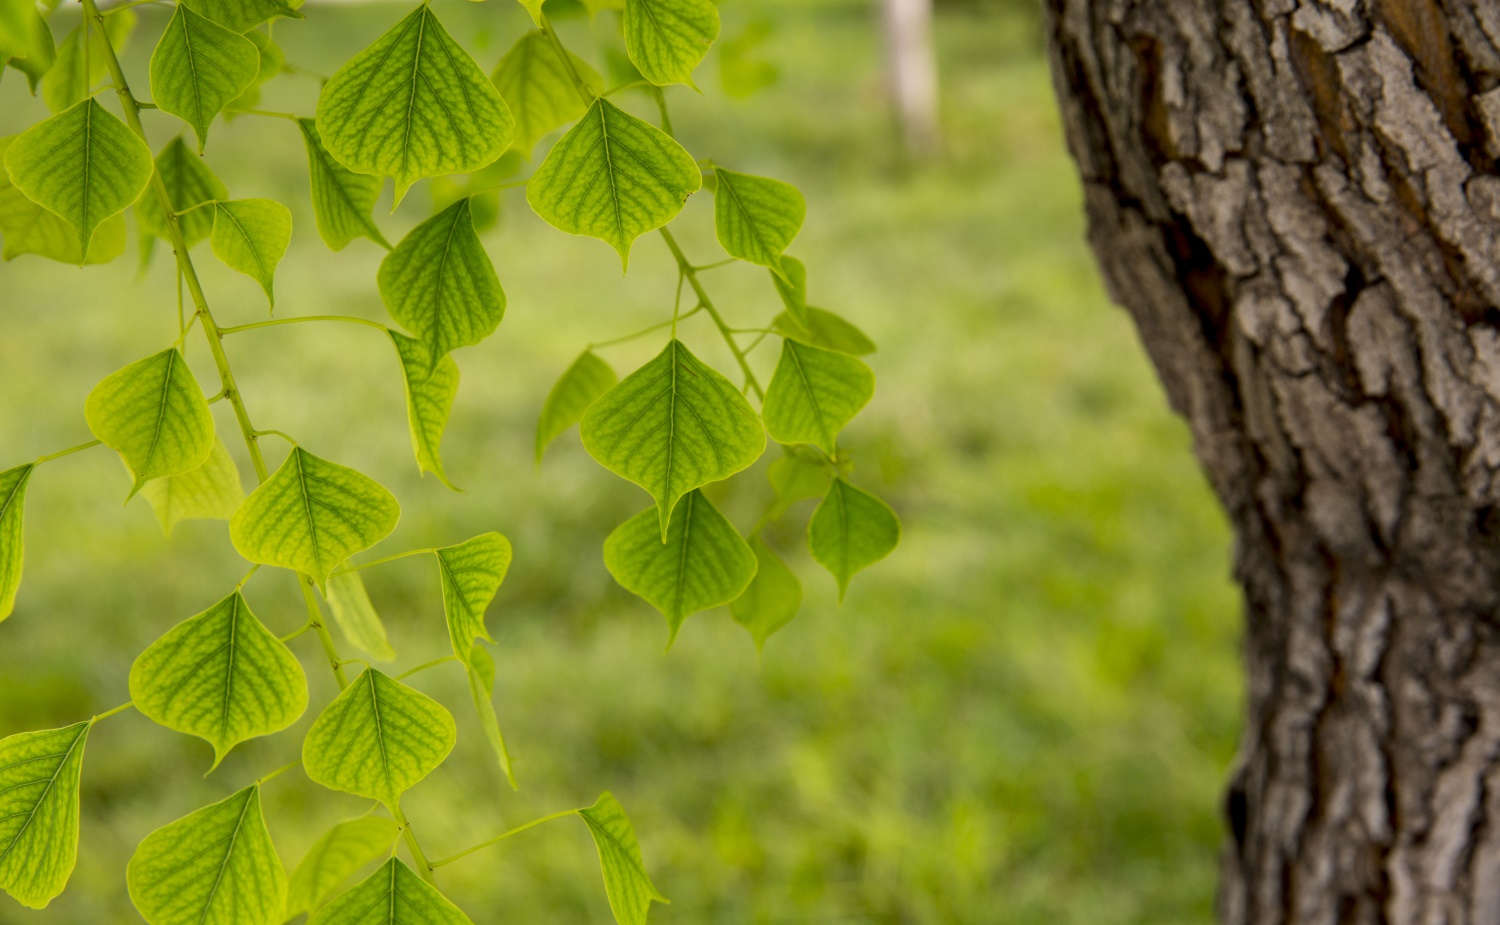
626, 882
311, 515
189, 183
580, 386
220, 676
440, 285
12, 534
342, 199
430, 391
536, 83
199, 66
756, 217
27, 228
210, 492
481, 670
613, 177
214, 866
814, 393
377, 739
153, 413
393, 895
242, 15
772, 598
790, 279
822, 328
39, 811
534, 8
413, 105
356, 616
83, 165
671, 426
251, 235
666, 39
703, 563
72, 75
470, 573
850, 530
25, 40
336, 857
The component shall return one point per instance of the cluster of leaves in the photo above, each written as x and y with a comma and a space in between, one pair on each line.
413, 105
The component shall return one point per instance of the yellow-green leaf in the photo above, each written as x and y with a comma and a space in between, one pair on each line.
199, 66
242, 15
73, 75
210, 492
393, 895
851, 530
470, 574
335, 857
39, 811
355, 614
12, 534
189, 183
536, 83
251, 235
626, 882
580, 386
342, 199
430, 390
481, 670
153, 413
666, 39
814, 394
27, 228
772, 598
756, 217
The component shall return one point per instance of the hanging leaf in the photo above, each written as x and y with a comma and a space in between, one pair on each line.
377, 739
210, 492
440, 285
214, 866
394, 896
69, 79
772, 598
251, 235
790, 279
342, 199
539, 88
336, 857
850, 530
613, 177
189, 183
756, 217
152, 412
220, 676
27, 228
311, 515
481, 671
39, 811
413, 105
12, 534
534, 8
356, 615
704, 562
430, 390
822, 328
626, 882
797, 477
199, 66
580, 386
83, 165
471, 573
666, 39
25, 40
242, 15
814, 394
672, 426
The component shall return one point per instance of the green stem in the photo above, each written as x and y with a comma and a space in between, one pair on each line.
579, 84
207, 202
300, 319
643, 331
382, 561
424, 867
661, 107
426, 665
503, 836
264, 779
68, 452
270, 114
273, 432
108, 713
687, 269
296, 632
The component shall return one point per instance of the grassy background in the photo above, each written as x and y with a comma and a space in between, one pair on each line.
1023, 716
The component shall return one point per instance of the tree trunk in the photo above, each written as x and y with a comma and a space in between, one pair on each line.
1298, 203
912, 73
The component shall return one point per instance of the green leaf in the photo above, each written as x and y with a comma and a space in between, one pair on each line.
30, 229
214, 866
430, 390
822, 328
672, 426
580, 386
471, 573
796, 477
210, 492
220, 676
440, 285
626, 882
790, 279
536, 83
26, 40
850, 530
251, 235
772, 598
199, 66
12, 534
534, 8
756, 217
311, 515
83, 165
704, 562
814, 394
242, 15
413, 105
481, 670
342, 199
335, 857
356, 616
71, 77
613, 177
393, 895
666, 39
271, 60
377, 739
39, 811
153, 413
189, 183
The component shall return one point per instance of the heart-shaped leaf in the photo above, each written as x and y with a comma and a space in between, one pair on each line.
470, 574
199, 66
814, 393
251, 236
210, 492
393, 895
772, 598
12, 534
756, 217
27, 228
342, 199
822, 328
580, 386
851, 530
626, 882
666, 39
39, 811
242, 15
335, 857
153, 413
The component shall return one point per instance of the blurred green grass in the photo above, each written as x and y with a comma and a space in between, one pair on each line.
1024, 715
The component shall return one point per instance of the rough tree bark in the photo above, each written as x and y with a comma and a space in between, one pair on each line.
1298, 201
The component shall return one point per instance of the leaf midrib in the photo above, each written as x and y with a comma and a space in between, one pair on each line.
51, 782
234, 836
812, 396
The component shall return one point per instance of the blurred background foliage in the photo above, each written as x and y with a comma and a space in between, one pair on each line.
1025, 715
